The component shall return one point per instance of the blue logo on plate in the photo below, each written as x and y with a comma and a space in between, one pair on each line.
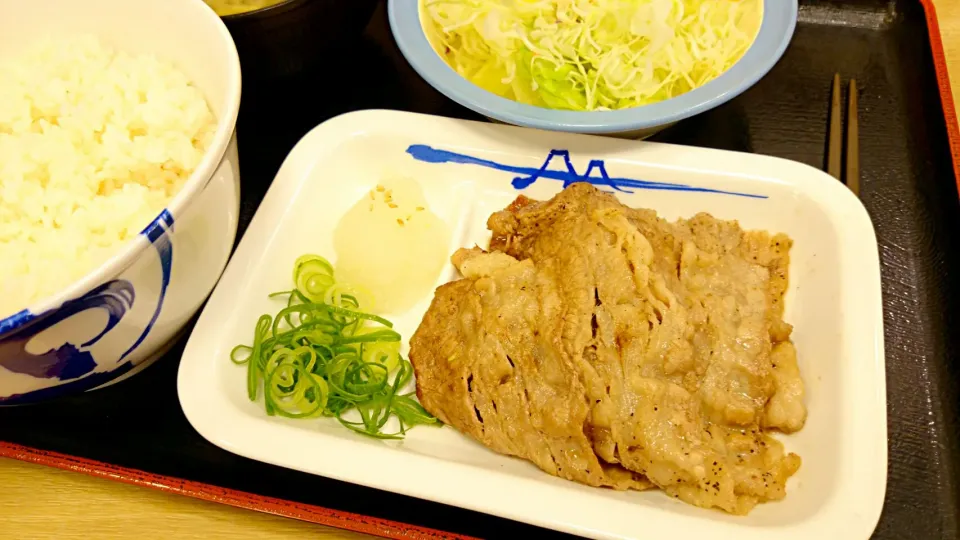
595, 174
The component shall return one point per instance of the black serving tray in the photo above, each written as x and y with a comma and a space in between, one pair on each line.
908, 187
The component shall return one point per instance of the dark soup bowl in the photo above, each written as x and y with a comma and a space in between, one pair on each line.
291, 36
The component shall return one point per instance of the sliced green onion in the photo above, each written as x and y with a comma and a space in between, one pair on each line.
322, 356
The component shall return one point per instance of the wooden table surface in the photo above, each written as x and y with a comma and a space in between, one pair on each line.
38, 502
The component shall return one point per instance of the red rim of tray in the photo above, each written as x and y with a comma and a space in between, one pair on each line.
358, 522
240, 499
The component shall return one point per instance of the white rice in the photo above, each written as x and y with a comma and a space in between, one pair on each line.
93, 145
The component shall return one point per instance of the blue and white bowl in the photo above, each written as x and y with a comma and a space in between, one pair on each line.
123, 315
776, 30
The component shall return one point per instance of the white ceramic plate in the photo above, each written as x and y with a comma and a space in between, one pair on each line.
467, 171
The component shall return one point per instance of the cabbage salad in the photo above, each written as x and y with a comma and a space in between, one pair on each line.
587, 55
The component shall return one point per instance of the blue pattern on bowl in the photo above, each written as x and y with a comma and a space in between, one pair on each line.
75, 362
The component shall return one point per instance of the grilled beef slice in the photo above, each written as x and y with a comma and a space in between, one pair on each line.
613, 348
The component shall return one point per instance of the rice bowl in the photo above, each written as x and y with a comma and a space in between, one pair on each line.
93, 145
119, 308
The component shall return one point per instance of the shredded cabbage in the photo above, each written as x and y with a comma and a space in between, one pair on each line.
587, 55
